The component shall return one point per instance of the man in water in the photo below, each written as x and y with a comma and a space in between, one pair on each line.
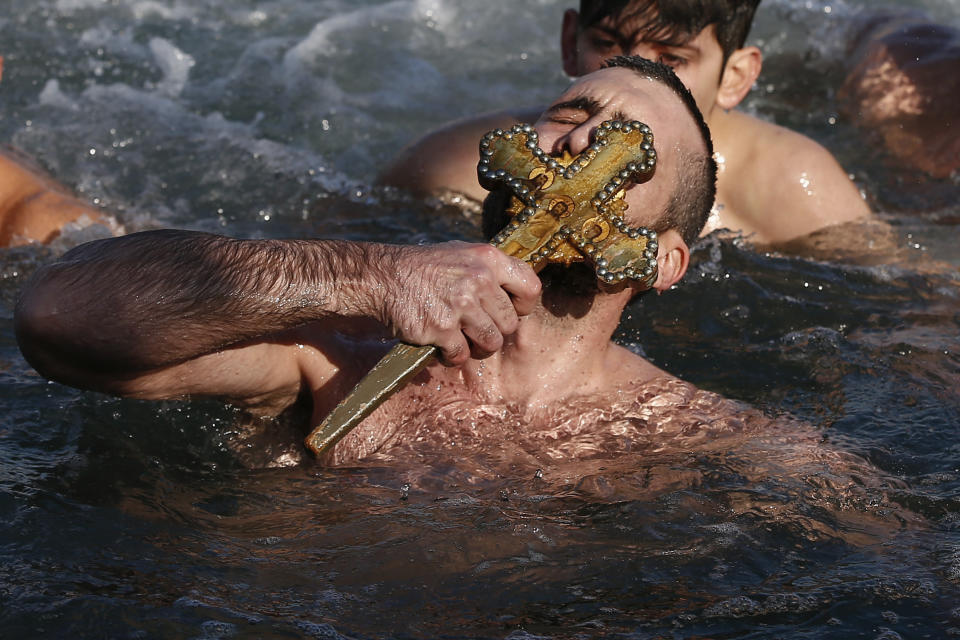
774, 184
33, 206
268, 324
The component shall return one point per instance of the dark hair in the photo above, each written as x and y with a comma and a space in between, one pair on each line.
679, 20
696, 189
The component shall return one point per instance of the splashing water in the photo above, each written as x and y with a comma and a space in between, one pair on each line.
828, 510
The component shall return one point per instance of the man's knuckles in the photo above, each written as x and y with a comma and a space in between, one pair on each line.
487, 338
454, 352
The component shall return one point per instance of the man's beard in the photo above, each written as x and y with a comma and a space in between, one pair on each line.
568, 290
495, 216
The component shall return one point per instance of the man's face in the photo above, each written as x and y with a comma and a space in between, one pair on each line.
571, 122
697, 61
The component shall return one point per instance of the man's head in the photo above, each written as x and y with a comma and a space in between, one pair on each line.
903, 87
676, 200
702, 40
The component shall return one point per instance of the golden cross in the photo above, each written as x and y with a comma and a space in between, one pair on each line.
571, 209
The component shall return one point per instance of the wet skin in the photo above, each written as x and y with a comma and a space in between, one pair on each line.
774, 185
565, 214
697, 61
545, 348
903, 89
571, 122
34, 207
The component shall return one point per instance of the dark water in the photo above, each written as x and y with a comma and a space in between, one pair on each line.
126, 519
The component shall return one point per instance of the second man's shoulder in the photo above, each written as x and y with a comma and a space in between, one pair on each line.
761, 145
445, 159
788, 184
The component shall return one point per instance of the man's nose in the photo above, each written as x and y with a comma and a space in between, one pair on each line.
578, 138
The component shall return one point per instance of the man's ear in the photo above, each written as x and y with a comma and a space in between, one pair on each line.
568, 42
739, 74
673, 258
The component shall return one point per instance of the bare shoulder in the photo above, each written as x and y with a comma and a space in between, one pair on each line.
780, 184
21, 175
445, 160
626, 366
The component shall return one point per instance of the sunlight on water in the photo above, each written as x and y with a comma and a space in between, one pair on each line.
820, 501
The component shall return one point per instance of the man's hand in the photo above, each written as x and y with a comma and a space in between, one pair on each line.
463, 298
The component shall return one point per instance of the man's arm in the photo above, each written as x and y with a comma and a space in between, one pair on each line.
445, 160
167, 313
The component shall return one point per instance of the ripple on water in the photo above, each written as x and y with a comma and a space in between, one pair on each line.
122, 518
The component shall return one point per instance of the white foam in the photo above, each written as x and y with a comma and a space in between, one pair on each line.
51, 95
318, 44
178, 11
147, 7
139, 8
70, 6
175, 65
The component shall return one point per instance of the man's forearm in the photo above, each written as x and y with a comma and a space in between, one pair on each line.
113, 309
155, 299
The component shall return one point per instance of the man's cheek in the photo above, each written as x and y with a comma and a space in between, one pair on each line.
689, 80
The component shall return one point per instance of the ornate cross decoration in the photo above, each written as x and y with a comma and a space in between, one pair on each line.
571, 209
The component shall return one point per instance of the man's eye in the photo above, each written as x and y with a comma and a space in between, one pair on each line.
603, 44
671, 60
566, 119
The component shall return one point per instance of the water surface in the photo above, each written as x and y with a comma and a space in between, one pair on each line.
831, 513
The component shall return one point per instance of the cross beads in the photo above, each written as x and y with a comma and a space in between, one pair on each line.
570, 209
